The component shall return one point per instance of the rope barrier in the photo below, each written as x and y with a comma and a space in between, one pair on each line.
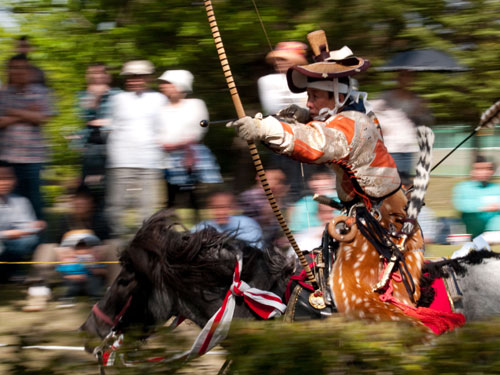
63, 262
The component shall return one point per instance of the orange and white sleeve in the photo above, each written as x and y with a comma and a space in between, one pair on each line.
316, 142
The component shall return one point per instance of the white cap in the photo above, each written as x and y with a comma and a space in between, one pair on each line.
137, 67
182, 79
80, 237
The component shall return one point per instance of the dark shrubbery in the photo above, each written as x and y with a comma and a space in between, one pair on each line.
339, 347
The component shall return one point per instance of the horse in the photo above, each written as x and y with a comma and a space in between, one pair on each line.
167, 272
475, 278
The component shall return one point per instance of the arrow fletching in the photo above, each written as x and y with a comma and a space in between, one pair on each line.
491, 116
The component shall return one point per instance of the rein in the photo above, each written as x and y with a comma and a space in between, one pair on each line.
378, 237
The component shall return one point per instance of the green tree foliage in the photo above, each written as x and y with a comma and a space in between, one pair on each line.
175, 34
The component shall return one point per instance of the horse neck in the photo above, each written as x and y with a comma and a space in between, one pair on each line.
200, 307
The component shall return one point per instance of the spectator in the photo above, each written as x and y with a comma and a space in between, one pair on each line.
82, 218
275, 95
310, 237
399, 112
254, 204
478, 201
94, 109
24, 47
80, 276
24, 109
84, 214
304, 213
223, 217
19, 226
188, 162
134, 155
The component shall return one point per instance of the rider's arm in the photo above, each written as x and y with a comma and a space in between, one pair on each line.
315, 142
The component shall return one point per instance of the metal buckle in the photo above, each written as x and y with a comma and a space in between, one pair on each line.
375, 212
100, 349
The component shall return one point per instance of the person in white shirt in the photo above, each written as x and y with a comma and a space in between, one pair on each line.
400, 135
134, 154
187, 161
399, 112
274, 95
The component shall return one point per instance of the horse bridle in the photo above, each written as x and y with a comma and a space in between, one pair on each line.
112, 322
112, 336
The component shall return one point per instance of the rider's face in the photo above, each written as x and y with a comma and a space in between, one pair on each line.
319, 99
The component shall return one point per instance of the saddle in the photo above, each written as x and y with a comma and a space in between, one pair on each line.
443, 292
453, 290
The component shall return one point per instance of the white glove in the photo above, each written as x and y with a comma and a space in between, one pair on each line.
300, 114
248, 128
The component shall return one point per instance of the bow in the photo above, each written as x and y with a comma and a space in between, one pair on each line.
489, 119
251, 145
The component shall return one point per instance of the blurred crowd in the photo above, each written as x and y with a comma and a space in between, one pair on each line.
142, 150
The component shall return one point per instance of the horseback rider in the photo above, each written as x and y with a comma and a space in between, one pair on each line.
336, 129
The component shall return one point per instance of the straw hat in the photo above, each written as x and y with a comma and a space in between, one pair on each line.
137, 67
295, 52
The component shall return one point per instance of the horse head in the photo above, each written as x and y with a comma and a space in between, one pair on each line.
168, 271
132, 299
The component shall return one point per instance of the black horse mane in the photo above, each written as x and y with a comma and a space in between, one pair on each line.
166, 254
434, 270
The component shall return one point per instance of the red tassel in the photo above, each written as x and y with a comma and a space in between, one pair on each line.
438, 321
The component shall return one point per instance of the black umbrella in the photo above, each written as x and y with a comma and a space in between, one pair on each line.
422, 60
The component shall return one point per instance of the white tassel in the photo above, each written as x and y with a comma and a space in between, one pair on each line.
425, 138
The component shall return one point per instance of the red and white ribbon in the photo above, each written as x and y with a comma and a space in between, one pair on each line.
108, 357
265, 304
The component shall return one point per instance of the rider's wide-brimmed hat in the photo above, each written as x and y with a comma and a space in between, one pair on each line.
328, 65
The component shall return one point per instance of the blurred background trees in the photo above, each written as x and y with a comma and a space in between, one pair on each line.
70, 34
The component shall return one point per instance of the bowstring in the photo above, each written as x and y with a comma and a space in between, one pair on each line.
270, 45
262, 25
